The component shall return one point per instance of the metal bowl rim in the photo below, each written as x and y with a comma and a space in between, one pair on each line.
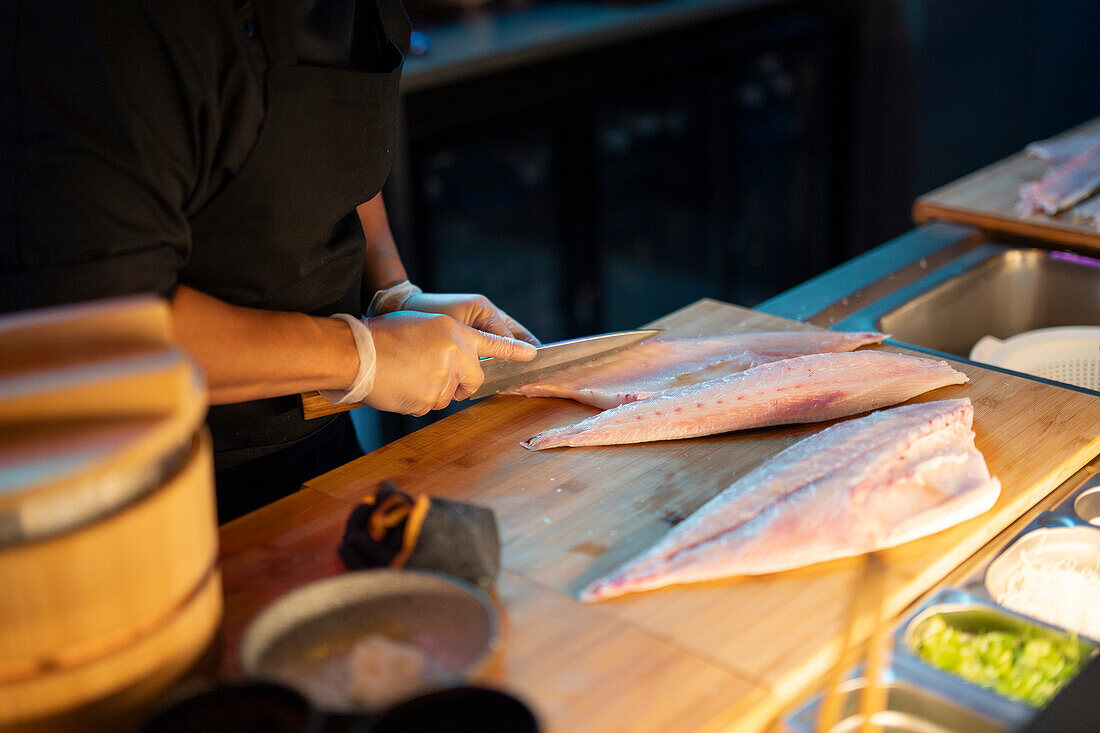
990, 606
249, 662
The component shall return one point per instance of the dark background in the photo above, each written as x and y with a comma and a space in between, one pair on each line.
733, 158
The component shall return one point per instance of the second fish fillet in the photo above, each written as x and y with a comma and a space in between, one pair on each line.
644, 370
855, 487
803, 389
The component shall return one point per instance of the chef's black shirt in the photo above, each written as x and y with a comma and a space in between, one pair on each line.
121, 119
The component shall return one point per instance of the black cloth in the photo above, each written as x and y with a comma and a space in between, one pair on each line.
250, 485
325, 146
152, 143
455, 538
339, 33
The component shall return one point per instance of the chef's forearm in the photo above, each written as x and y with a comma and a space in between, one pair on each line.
383, 267
249, 354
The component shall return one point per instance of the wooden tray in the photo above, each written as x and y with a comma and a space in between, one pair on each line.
987, 199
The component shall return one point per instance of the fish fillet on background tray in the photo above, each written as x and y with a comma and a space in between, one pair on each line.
857, 486
641, 371
804, 389
1059, 150
1063, 184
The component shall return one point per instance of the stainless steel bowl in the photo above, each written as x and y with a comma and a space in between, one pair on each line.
965, 612
1083, 503
908, 709
303, 639
1086, 505
1079, 544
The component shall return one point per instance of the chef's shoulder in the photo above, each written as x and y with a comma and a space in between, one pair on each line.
199, 46
120, 118
178, 84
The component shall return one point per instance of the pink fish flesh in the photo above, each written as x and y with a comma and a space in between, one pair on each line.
1063, 185
855, 487
804, 389
644, 370
1059, 150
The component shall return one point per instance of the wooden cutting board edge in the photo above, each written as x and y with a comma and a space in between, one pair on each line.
999, 182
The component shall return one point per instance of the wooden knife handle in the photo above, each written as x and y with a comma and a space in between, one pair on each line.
314, 405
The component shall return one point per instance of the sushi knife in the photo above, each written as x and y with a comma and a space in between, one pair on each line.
501, 374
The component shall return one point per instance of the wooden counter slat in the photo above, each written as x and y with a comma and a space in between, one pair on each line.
602, 674
987, 199
570, 515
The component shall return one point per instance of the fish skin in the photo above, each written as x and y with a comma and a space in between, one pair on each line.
804, 389
642, 371
855, 487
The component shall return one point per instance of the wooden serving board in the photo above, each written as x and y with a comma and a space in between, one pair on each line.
727, 655
987, 199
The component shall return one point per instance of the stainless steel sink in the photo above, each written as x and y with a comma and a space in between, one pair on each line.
941, 288
1011, 291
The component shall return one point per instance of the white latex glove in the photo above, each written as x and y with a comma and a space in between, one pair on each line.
392, 298
473, 310
424, 361
368, 364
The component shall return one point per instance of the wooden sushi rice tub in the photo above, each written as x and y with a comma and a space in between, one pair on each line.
726, 655
108, 530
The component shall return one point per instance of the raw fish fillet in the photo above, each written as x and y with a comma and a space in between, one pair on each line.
642, 371
1063, 185
803, 389
1059, 150
857, 486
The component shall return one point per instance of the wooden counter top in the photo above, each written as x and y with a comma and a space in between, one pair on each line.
726, 655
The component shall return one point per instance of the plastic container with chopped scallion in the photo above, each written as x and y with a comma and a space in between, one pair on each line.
1021, 661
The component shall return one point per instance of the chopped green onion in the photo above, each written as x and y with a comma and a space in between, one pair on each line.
1029, 665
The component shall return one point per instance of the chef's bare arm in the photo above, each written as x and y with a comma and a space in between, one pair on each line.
423, 360
249, 354
383, 267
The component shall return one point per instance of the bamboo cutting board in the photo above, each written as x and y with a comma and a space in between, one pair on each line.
742, 649
987, 199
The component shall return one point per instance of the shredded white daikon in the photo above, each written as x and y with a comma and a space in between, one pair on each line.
1057, 590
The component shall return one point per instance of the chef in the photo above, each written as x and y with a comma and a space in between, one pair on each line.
229, 155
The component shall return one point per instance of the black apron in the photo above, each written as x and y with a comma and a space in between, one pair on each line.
283, 234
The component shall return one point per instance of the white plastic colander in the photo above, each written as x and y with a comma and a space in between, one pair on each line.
1070, 354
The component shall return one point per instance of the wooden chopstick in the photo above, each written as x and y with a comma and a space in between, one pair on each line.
867, 602
873, 697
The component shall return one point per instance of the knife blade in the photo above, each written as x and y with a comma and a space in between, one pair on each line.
501, 374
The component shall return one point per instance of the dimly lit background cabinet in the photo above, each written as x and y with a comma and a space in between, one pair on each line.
601, 189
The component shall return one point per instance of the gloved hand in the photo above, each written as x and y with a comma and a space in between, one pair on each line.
424, 361
475, 311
